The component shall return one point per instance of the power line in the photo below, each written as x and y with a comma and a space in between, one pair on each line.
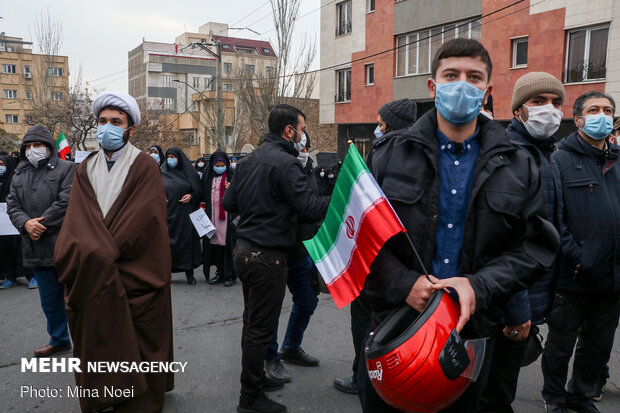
245, 17
103, 77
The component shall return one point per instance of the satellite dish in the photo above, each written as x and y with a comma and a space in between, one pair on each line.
247, 148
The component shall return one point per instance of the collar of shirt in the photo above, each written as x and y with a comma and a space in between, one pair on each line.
446, 145
115, 155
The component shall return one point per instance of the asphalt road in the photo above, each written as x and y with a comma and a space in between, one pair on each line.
207, 333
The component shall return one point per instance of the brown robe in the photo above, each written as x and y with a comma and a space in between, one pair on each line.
117, 274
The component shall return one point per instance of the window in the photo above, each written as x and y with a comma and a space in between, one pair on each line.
227, 67
269, 71
229, 135
370, 74
519, 52
416, 50
27, 72
192, 137
169, 104
54, 71
586, 54
2, 47
244, 50
343, 26
196, 82
28, 94
227, 87
209, 83
56, 96
362, 146
10, 94
167, 80
371, 5
249, 69
11, 69
266, 51
343, 83
12, 118
225, 46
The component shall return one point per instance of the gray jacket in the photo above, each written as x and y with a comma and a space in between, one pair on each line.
40, 192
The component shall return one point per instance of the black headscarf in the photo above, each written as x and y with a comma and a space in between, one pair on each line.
5, 181
162, 157
204, 167
186, 170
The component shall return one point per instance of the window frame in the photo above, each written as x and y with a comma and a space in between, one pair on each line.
514, 42
586, 52
425, 35
56, 96
55, 71
227, 67
14, 119
10, 94
6, 71
370, 6
367, 68
28, 94
167, 80
346, 5
344, 98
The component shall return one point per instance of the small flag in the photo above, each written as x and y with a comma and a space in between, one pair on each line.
359, 221
63, 146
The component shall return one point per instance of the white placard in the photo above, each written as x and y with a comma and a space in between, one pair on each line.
202, 223
81, 155
6, 226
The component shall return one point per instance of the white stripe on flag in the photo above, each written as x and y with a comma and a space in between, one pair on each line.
364, 194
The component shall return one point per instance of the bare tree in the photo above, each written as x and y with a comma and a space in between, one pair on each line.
9, 142
292, 82
154, 130
49, 100
81, 118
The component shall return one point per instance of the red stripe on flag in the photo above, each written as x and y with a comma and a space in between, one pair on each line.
379, 224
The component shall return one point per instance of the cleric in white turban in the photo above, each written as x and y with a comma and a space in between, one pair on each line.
117, 272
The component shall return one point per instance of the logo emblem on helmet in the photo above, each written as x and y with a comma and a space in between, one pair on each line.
350, 223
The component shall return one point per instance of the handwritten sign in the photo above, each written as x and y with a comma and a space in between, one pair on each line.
6, 226
202, 223
80, 156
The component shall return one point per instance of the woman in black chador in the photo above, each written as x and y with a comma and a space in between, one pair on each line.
183, 192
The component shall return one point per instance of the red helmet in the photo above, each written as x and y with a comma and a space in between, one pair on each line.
416, 361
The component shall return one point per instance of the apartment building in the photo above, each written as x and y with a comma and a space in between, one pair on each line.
382, 50
27, 78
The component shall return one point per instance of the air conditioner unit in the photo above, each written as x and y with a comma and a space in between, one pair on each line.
28, 75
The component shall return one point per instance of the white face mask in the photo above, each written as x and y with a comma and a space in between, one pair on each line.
542, 121
322, 174
233, 165
35, 155
303, 158
302, 143
201, 164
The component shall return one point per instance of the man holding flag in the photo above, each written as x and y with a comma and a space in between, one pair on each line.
471, 204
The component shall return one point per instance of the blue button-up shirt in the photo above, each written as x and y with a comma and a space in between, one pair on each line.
456, 176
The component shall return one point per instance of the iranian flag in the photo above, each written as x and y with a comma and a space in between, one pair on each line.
62, 145
359, 221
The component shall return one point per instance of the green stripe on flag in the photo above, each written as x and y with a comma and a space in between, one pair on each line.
353, 167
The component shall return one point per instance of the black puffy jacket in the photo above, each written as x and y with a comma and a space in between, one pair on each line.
507, 243
590, 190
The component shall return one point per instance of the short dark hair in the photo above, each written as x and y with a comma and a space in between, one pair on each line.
580, 102
461, 48
112, 107
282, 116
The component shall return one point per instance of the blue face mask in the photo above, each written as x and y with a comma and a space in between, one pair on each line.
172, 162
598, 126
2, 170
458, 102
219, 169
110, 137
378, 132
156, 157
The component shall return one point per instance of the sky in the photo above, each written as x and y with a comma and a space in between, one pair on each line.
99, 34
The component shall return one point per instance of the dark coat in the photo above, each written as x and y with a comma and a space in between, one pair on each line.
535, 303
5, 181
268, 190
305, 230
184, 241
10, 246
590, 228
507, 243
40, 192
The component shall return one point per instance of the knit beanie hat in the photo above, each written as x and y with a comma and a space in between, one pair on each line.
533, 84
399, 114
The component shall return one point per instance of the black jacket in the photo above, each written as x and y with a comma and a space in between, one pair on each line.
590, 187
507, 243
40, 192
268, 190
535, 303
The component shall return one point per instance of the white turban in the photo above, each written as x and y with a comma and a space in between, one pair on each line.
119, 99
